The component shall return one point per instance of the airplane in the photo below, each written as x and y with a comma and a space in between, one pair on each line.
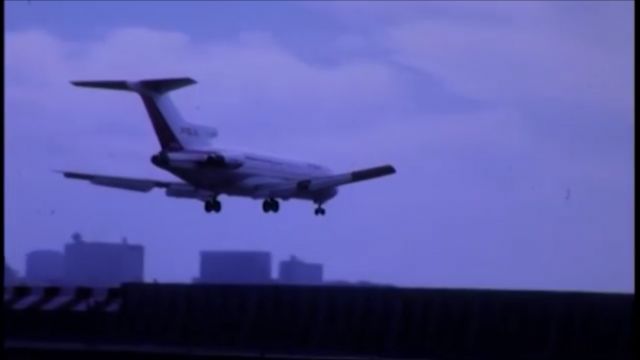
208, 172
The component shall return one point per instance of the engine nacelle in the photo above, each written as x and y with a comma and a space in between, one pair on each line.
189, 193
196, 160
220, 161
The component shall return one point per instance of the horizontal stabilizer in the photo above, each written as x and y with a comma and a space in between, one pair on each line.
155, 86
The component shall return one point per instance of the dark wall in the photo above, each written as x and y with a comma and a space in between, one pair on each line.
350, 321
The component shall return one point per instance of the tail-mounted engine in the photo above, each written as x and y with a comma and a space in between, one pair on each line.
212, 160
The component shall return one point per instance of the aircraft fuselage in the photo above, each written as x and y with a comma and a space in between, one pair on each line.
233, 173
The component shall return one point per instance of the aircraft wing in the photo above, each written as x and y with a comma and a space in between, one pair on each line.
125, 183
325, 182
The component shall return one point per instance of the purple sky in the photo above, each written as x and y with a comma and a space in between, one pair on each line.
489, 111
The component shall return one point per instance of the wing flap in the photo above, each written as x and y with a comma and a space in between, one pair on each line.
288, 189
346, 178
125, 183
264, 187
186, 191
372, 173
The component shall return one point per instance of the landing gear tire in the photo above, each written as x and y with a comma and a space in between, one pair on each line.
319, 211
217, 206
212, 205
270, 205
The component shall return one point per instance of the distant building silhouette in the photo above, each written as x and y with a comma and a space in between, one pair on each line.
295, 271
11, 277
102, 264
235, 267
44, 267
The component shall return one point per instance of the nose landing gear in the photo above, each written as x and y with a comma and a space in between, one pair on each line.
319, 210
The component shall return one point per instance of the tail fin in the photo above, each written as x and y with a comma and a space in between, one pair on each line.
172, 131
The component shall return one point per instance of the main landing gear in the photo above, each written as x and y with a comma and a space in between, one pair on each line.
270, 205
319, 210
212, 205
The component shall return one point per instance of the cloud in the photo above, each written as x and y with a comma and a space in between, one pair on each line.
248, 86
480, 185
516, 61
506, 52
247, 80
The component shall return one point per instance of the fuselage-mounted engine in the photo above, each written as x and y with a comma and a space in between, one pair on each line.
193, 160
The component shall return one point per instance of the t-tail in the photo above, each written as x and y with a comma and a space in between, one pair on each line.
173, 132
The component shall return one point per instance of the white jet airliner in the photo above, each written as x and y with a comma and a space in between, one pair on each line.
208, 172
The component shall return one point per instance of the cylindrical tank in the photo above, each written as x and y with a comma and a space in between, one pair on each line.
296, 271
102, 264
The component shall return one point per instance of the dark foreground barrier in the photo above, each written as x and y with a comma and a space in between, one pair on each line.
324, 322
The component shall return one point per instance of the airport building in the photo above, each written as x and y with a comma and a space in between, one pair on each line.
44, 267
296, 271
102, 264
235, 267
